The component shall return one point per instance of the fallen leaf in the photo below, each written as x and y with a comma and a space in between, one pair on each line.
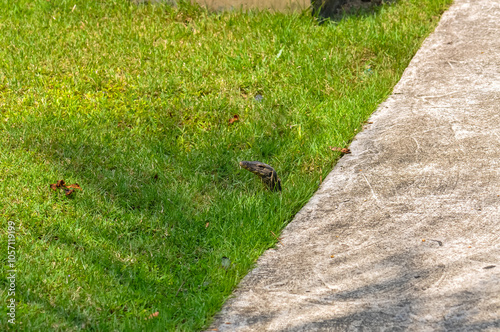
74, 185
342, 150
68, 188
234, 119
153, 315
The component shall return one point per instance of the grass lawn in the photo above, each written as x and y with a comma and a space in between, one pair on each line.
133, 103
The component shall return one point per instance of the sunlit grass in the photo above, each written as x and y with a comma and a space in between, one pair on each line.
133, 103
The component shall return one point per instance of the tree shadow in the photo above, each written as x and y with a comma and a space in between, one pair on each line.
336, 10
122, 228
408, 299
139, 227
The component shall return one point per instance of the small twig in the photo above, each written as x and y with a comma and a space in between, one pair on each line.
179, 288
277, 238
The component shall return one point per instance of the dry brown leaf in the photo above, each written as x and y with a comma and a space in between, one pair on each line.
68, 189
234, 119
342, 150
153, 315
74, 186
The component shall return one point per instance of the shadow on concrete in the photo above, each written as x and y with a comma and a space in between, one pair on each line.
402, 301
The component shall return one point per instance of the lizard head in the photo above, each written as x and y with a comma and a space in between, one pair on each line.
256, 167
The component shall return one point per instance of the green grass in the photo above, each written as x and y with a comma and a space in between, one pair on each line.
133, 102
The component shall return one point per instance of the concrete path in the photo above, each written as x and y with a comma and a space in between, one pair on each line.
404, 234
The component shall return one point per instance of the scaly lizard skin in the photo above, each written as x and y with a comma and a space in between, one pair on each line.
267, 174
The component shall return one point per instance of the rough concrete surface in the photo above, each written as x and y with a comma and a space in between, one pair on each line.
403, 235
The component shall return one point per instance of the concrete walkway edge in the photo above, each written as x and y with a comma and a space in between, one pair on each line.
404, 233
